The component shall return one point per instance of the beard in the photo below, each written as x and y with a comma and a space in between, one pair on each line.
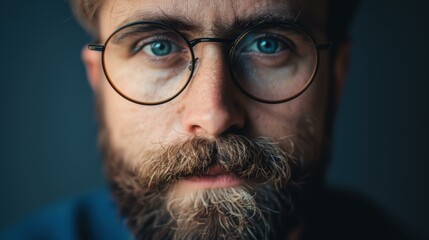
266, 206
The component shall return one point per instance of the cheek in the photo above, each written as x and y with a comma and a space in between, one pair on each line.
133, 127
282, 120
274, 121
300, 116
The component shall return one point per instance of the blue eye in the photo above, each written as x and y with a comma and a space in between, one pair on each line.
160, 48
267, 45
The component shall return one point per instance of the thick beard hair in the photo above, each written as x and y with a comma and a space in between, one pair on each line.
268, 206
261, 209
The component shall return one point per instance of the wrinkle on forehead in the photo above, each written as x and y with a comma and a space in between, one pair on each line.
204, 11
208, 14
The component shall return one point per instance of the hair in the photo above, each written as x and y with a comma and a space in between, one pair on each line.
86, 12
340, 16
155, 209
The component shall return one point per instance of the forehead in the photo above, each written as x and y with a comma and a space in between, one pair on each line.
205, 14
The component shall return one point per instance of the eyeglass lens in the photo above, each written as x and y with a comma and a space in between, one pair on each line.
151, 63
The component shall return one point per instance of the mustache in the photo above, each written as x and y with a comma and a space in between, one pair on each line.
259, 160
146, 195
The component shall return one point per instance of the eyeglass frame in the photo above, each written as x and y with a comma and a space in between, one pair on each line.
233, 43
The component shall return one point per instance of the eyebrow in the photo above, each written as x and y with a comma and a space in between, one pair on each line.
220, 28
178, 22
243, 23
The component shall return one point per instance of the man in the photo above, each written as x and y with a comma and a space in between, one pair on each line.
215, 117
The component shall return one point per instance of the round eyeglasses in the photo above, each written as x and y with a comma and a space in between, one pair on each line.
151, 63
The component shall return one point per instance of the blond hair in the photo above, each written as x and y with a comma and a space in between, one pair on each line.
86, 12
340, 14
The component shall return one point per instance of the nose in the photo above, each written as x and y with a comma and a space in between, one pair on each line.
212, 105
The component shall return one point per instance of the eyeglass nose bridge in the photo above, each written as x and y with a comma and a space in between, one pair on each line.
194, 42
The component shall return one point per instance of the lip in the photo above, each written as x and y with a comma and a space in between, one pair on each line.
216, 177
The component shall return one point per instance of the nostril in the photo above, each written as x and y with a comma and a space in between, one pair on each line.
211, 106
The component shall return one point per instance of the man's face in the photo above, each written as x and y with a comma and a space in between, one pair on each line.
135, 137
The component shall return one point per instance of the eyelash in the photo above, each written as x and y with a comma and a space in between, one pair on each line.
285, 41
135, 48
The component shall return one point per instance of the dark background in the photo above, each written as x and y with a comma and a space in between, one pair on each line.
48, 132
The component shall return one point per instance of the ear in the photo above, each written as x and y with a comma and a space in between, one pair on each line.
341, 69
94, 70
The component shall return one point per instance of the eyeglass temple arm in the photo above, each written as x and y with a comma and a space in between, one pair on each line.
96, 47
100, 48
